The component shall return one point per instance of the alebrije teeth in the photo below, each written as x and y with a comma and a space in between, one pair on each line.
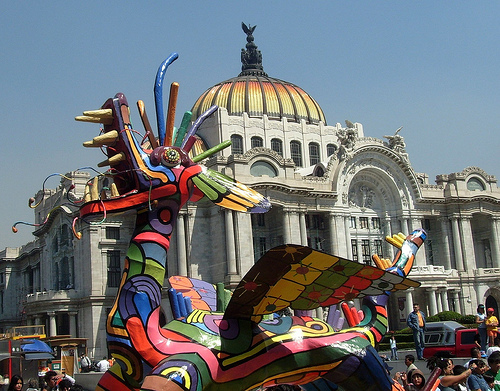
113, 160
108, 138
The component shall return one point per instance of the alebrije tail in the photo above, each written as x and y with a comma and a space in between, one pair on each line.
375, 322
408, 247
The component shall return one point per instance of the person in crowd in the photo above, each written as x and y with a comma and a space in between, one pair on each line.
491, 322
415, 383
458, 370
394, 348
481, 328
416, 322
410, 364
476, 381
103, 365
85, 363
494, 348
475, 354
490, 380
448, 380
52, 379
32, 384
64, 385
16, 383
494, 371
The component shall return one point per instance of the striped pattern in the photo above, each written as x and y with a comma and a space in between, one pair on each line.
259, 95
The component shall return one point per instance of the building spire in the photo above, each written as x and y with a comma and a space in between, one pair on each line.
251, 58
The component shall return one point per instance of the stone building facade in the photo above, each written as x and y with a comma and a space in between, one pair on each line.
331, 187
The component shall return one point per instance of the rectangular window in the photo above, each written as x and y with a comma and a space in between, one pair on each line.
317, 243
352, 223
376, 222
363, 222
262, 246
113, 233
378, 247
429, 253
365, 249
354, 247
236, 144
114, 269
313, 154
296, 153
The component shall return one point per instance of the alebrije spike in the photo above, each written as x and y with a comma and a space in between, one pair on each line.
172, 104
183, 128
197, 124
147, 125
158, 91
189, 144
211, 151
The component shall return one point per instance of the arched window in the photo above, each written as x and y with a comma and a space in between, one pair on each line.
314, 157
263, 168
475, 184
256, 141
330, 149
277, 146
296, 153
236, 144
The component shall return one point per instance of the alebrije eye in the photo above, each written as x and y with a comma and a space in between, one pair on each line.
170, 157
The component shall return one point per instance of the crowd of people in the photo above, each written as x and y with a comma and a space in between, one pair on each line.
480, 373
52, 381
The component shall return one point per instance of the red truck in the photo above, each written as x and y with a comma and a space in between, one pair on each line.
450, 337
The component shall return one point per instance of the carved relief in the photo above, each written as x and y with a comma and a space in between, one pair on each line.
361, 196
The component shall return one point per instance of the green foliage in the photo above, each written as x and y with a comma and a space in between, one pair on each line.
449, 315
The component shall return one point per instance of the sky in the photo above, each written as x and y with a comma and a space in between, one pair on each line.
429, 66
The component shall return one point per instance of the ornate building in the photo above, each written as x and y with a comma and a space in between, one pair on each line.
331, 188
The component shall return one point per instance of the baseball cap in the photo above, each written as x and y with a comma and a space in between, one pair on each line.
490, 310
481, 306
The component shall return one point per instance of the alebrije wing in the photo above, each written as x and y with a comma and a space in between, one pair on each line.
229, 193
202, 294
302, 278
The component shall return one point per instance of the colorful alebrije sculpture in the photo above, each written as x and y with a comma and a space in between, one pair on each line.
235, 350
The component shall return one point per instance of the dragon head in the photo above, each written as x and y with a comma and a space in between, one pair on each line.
142, 173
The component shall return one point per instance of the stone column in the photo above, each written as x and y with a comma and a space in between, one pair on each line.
230, 243
431, 297
456, 301
446, 261
287, 237
334, 239
457, 244
72, 323
439, 301
348, 237
421, 258
52, 324
389, 249
495, 242
180, 231
303, 229
444, 299
468, 252
341, 232
409, 300
405, 225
